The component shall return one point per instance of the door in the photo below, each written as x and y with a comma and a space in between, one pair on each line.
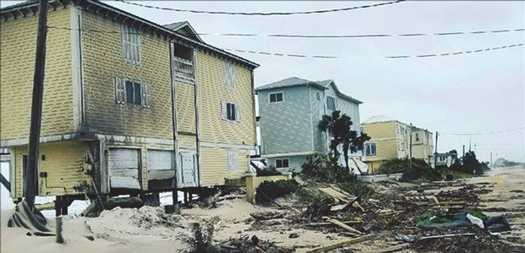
124, 167
188, 170
161, 172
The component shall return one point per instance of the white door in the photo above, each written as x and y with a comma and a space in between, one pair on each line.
189, 170
124, 168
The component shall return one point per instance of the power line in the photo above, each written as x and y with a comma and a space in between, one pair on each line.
263, 13
346, 36
377, 57
488, 133
323, 56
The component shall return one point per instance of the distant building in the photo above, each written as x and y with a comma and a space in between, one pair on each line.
446, 159
290, 111
394, 139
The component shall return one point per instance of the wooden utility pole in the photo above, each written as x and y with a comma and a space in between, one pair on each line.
31, 180
436, 150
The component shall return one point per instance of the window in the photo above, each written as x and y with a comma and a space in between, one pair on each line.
370, 149
417, 136
131, 92
228, 73
276, 97
281, 163
318, 95
401, 146
130, 44
330, 103
231, 111
183, 63
232, 161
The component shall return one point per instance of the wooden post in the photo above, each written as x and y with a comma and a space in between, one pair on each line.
59, 238
36, 107
436, 150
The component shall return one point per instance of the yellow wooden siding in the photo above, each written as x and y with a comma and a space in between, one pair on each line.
380, 129
18, 40
65, 166
212, 90
103, 61
214, 163
185, 107
187, 142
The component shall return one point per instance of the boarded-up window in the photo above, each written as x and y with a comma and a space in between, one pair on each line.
330, 103
228, 73
232, 161
130, 44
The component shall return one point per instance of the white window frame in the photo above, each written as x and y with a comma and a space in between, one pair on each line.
276, 101
282, 160
229, 76
367, 145
131, 44
224, 111
121, 93
335, 103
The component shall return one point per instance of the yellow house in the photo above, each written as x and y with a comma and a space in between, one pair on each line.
122, 96
392, 139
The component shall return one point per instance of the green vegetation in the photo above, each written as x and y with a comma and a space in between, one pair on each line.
268, 191
322, 168
421, 171
357, 188
394, 166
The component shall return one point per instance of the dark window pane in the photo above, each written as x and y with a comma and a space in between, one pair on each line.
279, 163
233, 112
279, 97
285, 163
272, 98
129, 92
137, 94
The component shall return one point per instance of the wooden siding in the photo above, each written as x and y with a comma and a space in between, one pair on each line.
103, 62
215, 165
17, 52
65, 166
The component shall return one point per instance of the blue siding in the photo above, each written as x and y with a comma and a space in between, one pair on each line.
294, 162
286, 126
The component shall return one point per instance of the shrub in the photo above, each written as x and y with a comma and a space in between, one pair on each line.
357, 188
201, 239
394, 166
421, 170
321, 168
268, 191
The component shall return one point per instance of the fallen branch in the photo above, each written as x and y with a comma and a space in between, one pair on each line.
340, 244
346, 227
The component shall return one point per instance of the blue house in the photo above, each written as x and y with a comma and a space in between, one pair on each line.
290, 111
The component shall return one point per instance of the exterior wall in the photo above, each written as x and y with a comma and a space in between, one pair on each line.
103, 61
318, 109
294, 163
17, 52
214, 165
286, 126
424, 147
212, 91
65, 166
252, 181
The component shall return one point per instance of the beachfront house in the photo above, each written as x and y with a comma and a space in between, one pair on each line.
290, 111
130, 106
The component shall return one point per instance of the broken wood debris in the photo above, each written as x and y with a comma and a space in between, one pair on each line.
340, 244
346, 227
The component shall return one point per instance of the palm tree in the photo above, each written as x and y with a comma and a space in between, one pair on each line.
339, 128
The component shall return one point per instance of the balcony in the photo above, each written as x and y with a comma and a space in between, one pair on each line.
183, 69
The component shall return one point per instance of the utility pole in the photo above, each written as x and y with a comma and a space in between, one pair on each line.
490, 158
463, 151
410, 147
36, 107
469, 145
436, 150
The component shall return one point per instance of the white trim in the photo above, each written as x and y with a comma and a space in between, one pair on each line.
132, 139
289, 154
51, 138
76, 73
224, 145
276, 102
282, 158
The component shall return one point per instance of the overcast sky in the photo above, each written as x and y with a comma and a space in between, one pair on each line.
473, 93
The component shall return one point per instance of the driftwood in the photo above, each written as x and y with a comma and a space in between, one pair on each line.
125, 202
352, 230
331, 224
340, 244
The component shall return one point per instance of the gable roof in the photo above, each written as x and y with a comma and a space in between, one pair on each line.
184, 28
296, 81
100, 8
